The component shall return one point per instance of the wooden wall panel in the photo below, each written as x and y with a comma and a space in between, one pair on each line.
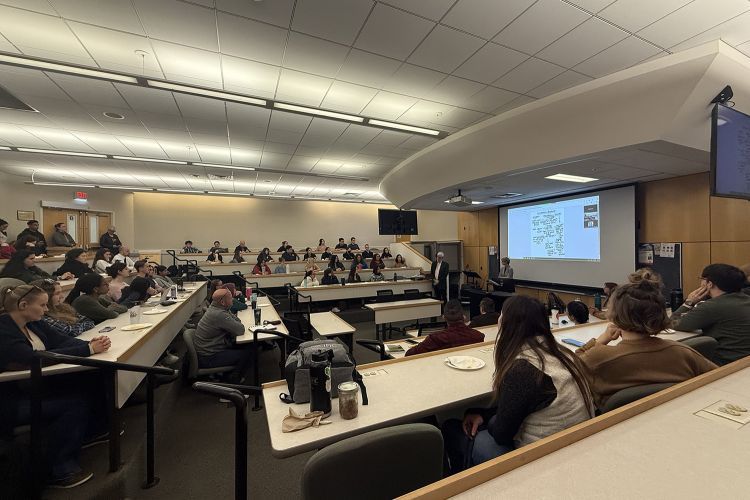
695, 256
468, 228
675, 209
488, 227
729, 219
736, 253
472, 258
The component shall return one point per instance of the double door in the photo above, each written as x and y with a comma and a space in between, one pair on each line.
84, 226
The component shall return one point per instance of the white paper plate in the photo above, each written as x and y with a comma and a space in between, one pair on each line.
262, 305
137, 326
155, 311
464, 362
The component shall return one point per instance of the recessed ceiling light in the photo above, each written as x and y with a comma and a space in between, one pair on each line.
4, 148
570, 178
229, 193
506, 195
214, 165
113, 115
154, 160
400, 126
318, 112
187, 89
190, 191
266, 180
66, 68
477, 202
63, 153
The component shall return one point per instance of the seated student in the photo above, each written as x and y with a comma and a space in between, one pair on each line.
124, 256
454, 335
21, 267
281, 267
60, 316
241, 247
334, 263
75, 263
329, 278
238, 258
33, 230
347, 255
310, 265
160, 274
215, 256
189, 248
261, 267
136, 293
217, 247
89, 298
322, 245
102, 260
367, 253
4, 227
61, 238
289, 254
283, 246
720, 309
609, 287
6, 250
376, 274
487, 314
376, 261
110, 240
400, 262
27, 242
67, 413
637, 313
354, 276
308, 254
539, 389
359, 262
386, 253
326, 254
309, 279
118, 272
578, 312
341, 245
142, 270
266, 254
215, 336
353, 244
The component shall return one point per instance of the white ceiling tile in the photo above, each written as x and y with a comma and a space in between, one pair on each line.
77, 121
58, 139
43, 36
213, 139
114, 14
115, 50
593, 5
249, 77
247, 157
434, 9
336, 20
734, 32
200, 107
179, 22
89, 91
147, 99
425, 112
413, 80
445, 49
529, 74
25, 118
301, 88
143, 147
208, 127
42, 6
213, 154
189, 65
171, 121
367, 69
489, 99
292, 122
171, 135
490, 63
388, 106
636, 14
558, 83
279, 147
180, 150
29, 82
392, 32
130, 127
461, 118
348, 97
622, 55
582, 42
278, 12
313, 55
485, 17
284, 136
418, 142
358, 134
518, 101
542, 24
302, 163
274, 160
325, 130
390, 138
744, 48
6, 46
693, 18
242, 116
454, 90
251, 39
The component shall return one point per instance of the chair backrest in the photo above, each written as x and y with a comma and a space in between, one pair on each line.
371, 466
298, 324
385, 292
187, 336
704, 345
384, 296
412, 294
10, 282
626, 396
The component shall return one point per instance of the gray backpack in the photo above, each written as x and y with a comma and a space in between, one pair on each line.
297, 369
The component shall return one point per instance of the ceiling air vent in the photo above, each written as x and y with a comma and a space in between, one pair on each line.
9, 101
505, 196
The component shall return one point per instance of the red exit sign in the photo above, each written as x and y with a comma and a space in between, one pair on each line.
82, 195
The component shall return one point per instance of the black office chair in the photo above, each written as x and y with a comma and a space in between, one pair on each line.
298, 324
375, 346
412, 294
704, 345
627, 396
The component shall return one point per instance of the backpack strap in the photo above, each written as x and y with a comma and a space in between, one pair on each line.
357, 377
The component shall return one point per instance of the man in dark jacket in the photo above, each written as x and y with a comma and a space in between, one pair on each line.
110, 240
455, 334
487, 314
439, 276
33, 230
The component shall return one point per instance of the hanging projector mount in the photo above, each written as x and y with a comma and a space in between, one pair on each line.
459, 200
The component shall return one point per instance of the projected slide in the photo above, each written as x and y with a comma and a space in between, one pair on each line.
563, 230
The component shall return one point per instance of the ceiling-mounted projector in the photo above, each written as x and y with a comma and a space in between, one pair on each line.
460, 200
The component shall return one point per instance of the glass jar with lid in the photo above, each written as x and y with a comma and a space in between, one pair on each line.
348, 402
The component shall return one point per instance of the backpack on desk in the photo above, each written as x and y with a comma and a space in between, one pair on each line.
297, 370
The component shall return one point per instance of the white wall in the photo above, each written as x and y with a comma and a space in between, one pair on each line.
436, 225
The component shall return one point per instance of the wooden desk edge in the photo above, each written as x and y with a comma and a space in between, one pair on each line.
385, 306
487, 471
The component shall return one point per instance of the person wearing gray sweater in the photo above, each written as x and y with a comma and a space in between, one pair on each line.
215, 335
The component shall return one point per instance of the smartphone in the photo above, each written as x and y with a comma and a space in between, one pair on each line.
574, 342
411, 341
107, 329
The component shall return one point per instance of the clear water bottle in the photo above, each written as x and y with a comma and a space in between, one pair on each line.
598, 301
